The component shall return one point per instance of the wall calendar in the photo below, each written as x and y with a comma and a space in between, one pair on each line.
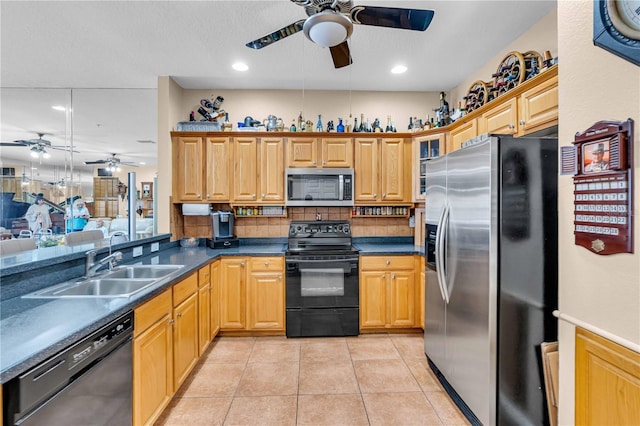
600, 161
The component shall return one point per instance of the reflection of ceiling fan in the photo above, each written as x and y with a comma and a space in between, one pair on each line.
113, 163
38, 146
330, 24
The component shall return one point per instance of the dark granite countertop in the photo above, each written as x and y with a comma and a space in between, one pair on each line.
32, 330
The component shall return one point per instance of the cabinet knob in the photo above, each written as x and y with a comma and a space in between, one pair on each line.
280, 277
375, 195
242, 264
521, 122
171, 321
324, 161
266, 264
253, 195
263, 196
207, 195
384, 195
388, 262
179, 315
198, 195
511, 126
393, 276
382, 276
314, 162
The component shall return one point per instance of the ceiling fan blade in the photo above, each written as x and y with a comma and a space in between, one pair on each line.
95, 162
276, 35
14, 143
62, 148
392, 17
341, 55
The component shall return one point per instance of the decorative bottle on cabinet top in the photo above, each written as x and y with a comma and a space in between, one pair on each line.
319, 124
340, 128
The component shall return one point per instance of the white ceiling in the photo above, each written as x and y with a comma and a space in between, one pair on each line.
128, 44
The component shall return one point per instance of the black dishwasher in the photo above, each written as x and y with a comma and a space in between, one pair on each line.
88, 383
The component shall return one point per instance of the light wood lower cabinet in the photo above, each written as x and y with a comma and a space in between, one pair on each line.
607, 382
185, 330
388, 292
215, 299
204, 309
252, 294
152, 359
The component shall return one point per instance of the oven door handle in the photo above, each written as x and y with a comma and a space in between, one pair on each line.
355, 259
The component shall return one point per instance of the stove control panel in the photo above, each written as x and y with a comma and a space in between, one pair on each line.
320, 228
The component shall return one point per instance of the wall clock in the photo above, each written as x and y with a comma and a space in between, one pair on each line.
616, 27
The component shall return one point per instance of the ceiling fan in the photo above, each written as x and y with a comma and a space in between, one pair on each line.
330, 24
113, 163
38, 146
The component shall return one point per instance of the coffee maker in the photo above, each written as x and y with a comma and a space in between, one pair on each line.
222, 226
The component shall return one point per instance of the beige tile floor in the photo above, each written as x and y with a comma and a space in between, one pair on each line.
366, 380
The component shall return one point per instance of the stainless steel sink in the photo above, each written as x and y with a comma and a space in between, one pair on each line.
144, 271
120, 283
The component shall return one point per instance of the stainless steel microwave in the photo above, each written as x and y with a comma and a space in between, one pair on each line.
319, 187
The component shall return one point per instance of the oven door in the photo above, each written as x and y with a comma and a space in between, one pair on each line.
322, 282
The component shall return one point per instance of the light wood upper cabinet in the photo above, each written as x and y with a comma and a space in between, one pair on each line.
367, 173
464, 131
202, 168
219, 161
302, 152
319, 152
538, 107
502, 119
245, 186
188, 168
381, 172
263, 184
424, 148
271, 175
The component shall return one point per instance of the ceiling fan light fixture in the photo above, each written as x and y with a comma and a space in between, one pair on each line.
328, 29
45, 154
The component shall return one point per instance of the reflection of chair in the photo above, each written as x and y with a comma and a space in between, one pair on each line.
18, 245
83, 237
25, 233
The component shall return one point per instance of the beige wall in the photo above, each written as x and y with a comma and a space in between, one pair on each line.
603, 291
541, 37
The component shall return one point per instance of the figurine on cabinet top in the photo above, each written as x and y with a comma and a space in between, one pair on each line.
442, 113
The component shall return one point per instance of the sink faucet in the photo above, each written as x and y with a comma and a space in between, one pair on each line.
91, 266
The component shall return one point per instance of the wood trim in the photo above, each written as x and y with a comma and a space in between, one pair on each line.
607, 388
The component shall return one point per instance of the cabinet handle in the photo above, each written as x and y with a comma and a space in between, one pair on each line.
388, 262
522, 122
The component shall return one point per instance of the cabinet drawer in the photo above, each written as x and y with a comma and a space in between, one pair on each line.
152, 311
204, 276
386, 263
266, 264
184, 289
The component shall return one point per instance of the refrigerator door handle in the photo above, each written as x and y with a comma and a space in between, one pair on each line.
440, 254
441, 249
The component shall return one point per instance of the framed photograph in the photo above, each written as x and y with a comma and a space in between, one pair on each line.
147, 190
595, 156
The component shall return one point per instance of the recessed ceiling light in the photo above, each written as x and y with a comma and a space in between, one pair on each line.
240, 66
399, 69
59, 108
142, 163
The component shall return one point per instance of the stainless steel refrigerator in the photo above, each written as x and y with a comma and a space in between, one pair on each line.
491, 282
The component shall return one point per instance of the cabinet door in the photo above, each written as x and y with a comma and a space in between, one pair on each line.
266, 301
424, 148
392, 170
337, 152
204, 320
373, 297
185, 339
538, 107
367, 177
152, 372
218, 169
232, 294
401, 299
302, 152
502, 119
271, 170
422, 301
245, 183
462, 132
215, 298
188, 169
